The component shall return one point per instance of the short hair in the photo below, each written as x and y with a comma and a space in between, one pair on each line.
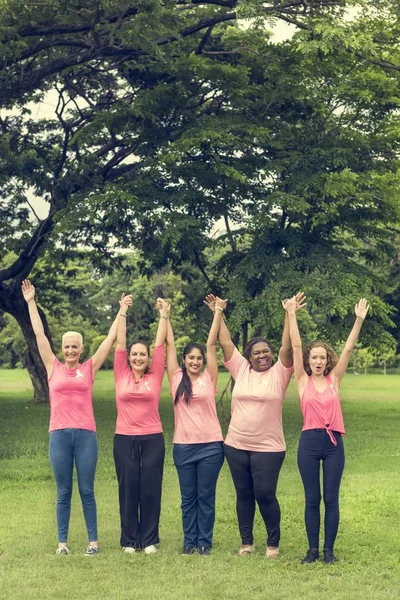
330, 355
252, 342
73, 333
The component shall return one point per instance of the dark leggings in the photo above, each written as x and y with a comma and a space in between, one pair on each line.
255, 476
315, 445
139, 463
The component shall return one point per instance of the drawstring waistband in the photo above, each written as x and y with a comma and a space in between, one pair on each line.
139, 448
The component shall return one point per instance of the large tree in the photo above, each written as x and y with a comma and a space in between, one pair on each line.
169, 116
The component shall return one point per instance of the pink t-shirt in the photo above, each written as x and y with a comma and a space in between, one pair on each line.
256, 413
322, 410
71, 397
138, 402
196, 422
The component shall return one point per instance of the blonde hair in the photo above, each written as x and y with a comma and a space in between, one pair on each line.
73, 333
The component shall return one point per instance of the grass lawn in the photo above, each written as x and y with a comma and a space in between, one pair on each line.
368, 543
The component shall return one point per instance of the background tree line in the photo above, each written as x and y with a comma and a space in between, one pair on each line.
172, 116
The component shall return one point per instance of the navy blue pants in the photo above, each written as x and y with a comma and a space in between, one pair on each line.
198, 467
315, 446
67, 446
255, 476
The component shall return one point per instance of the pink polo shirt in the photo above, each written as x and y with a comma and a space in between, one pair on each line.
71, 397
256, 412
322, 410
196, 422
138, 402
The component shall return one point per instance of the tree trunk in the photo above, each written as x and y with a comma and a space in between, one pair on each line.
34, 364
245, 334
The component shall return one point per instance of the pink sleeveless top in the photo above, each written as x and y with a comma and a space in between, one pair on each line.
322, 410
71, 397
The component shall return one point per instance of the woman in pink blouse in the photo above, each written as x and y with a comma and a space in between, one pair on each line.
198, 442
139, 448
318, 375
72, 424
255, 446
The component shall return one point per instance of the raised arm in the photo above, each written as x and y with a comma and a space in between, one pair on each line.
224, 337
161, 335
361, 310
300, 374
172, 361
106, 345
45, 351
286, 352
124, 305
212, 361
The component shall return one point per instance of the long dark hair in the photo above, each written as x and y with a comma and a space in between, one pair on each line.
185, 386
147, 345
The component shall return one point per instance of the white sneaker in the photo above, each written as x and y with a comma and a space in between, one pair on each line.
128, 550
150, 550
63, 550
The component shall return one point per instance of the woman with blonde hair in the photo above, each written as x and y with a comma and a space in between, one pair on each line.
73, 437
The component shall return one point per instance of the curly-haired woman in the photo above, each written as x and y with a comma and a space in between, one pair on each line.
318, 374
255, 446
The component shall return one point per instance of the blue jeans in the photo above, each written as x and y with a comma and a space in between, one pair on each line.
198, 467
65, 446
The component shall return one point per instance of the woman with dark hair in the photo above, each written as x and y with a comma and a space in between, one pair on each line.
254, 445
139, 447
198, 442
318, 374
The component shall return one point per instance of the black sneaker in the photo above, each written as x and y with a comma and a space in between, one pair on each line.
188, 550
204, 550
311, 556
329, 557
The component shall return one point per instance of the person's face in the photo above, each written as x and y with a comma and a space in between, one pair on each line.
72, 349
260, 357
194, 361
138, 358
318, 360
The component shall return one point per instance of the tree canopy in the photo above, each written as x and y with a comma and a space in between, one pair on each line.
173, 116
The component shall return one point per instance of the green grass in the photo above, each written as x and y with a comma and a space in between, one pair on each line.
368, 543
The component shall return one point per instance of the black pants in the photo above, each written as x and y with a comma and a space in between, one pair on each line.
316, 446
255, 476
139, 463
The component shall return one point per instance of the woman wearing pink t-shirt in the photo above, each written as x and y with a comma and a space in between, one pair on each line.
318, 375
255, 446
72, 424
139, 448
198, 442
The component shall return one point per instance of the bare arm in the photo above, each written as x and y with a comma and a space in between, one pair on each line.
224, 337
361, 310
161, 335
299, 372
106, 345
212, 361
172, 361
45, 351
125, 303
285, 352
